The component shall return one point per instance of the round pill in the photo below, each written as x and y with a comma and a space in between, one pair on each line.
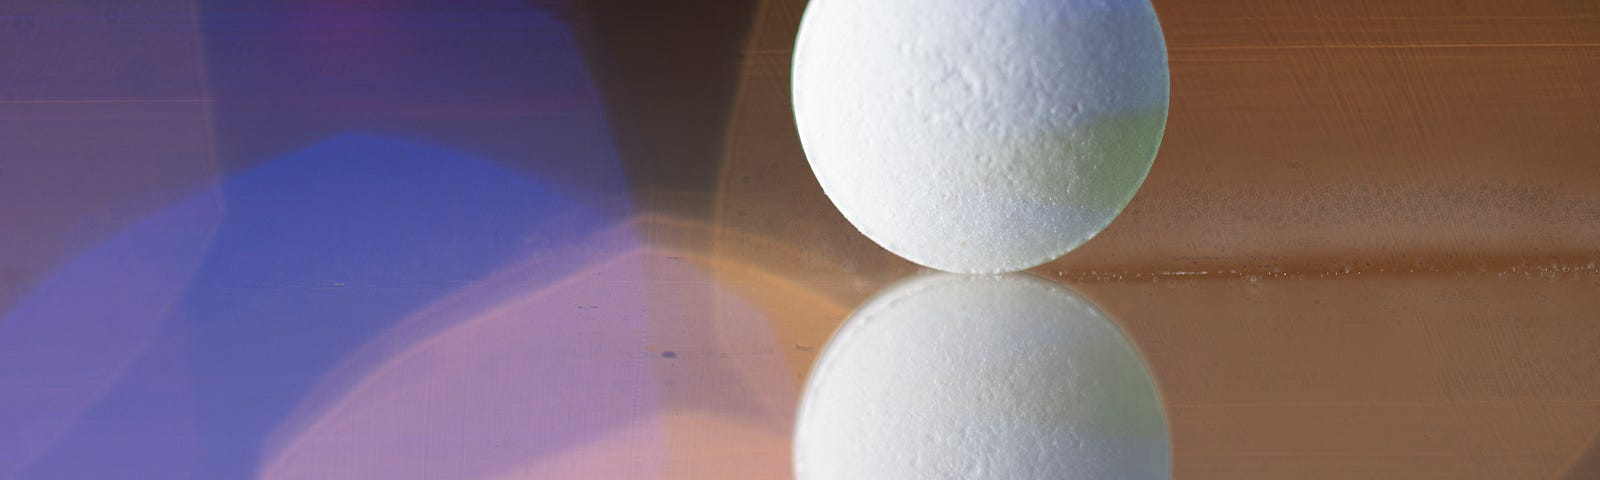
950, 376
980, 136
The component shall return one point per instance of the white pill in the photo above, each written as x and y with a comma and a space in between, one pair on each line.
980, 136
949, 376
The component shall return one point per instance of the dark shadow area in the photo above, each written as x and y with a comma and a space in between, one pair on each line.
669, 72
1588, 466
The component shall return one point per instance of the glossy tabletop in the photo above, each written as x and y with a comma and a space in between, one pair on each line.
495, 239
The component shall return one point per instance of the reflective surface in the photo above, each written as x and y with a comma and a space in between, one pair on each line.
502, 239
962, 376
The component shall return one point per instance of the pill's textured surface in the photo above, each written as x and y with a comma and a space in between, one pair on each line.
980, 136
949, 376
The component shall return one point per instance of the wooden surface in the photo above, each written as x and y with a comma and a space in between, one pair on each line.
1369, 247
1366, 250
1305, 136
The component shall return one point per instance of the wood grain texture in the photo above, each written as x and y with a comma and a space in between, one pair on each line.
1366, 250
1303, 136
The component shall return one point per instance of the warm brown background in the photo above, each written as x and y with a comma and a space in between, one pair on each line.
1366, 249
1305, 136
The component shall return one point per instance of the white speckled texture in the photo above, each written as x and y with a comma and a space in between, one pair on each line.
980, 136
1012, 377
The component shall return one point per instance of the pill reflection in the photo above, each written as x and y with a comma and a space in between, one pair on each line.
951, 376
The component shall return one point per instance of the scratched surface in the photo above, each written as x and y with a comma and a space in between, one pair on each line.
495, 239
